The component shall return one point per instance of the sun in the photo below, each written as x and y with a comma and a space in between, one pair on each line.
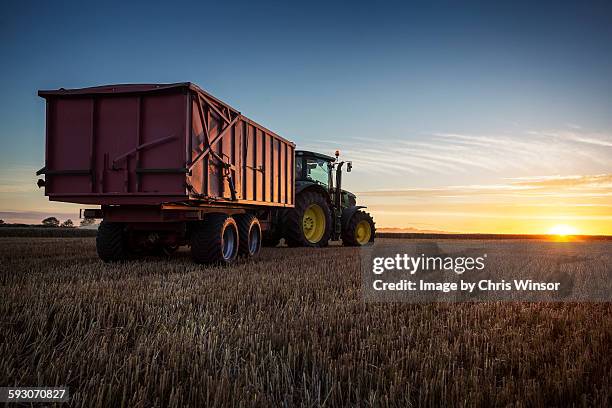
562, 230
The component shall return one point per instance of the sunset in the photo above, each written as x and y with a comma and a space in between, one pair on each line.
438, 142
563, 230
534, 205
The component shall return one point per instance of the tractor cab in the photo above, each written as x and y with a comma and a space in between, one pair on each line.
313, 167
318, 168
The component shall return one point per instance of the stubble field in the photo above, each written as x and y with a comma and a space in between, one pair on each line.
290, 328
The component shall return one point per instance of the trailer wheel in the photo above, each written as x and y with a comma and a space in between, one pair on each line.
215, 240
111, 242
360, 230
249, 233
309, 222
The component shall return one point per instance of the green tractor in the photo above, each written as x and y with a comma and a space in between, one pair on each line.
323, 211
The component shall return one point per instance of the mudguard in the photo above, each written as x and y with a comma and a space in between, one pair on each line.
304, 185
348, 213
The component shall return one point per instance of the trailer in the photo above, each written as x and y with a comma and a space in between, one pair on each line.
169, 165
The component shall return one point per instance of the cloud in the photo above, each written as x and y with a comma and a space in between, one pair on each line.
576, 135
598, 185
448, 153
597, 181
497, 215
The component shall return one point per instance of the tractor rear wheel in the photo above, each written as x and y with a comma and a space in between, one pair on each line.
309, 222
215, 240
360, 230
111, 242
249, 233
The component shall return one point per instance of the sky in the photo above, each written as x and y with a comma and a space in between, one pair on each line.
458, 116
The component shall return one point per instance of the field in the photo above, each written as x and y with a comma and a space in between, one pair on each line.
290, 328
48, 232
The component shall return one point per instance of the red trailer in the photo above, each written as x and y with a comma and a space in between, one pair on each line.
169, 165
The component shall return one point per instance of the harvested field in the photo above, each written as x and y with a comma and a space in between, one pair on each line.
290, 328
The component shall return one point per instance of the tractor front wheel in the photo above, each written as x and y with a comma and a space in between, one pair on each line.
360, 230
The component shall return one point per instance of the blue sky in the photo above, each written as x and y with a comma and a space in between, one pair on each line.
420, 95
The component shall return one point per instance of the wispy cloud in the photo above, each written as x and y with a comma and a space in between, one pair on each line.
598, 185
576, 135
597, 181
458, 153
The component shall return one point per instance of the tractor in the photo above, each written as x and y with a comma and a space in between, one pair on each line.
323, 210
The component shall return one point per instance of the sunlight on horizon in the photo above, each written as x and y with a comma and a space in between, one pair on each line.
562, 230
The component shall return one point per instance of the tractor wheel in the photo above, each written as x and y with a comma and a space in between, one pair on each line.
249, 233
360, 230
111, 242
215, 240
309, 222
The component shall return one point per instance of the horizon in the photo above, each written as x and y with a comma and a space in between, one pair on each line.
480, 119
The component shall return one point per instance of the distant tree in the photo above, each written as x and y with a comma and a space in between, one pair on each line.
85, 222
51, 222
1, 221
68, 223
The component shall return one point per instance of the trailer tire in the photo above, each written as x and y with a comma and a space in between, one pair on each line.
360, 230
249, 233
215, 240
309, 223
111, 242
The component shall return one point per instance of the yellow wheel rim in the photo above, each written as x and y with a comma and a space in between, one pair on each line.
313, 223
363, 232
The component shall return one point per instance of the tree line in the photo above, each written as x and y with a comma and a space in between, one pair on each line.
54, 222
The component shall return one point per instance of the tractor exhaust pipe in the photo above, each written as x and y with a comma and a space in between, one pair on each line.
337, 193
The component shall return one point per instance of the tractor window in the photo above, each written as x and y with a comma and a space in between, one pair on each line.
317, 170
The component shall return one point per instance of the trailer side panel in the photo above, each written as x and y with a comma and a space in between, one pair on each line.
155, 144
